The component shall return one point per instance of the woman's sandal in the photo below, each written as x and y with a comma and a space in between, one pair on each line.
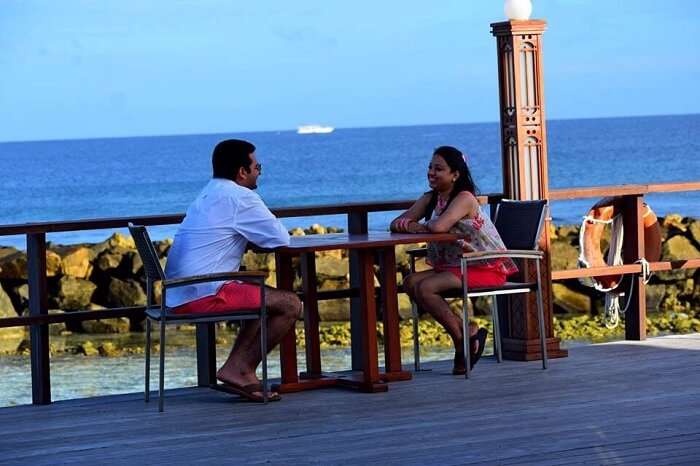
474, 356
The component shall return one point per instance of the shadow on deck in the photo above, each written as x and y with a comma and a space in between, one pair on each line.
617, 403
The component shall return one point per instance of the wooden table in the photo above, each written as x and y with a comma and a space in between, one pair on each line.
366, 245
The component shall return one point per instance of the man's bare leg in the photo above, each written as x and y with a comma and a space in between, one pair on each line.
284, 309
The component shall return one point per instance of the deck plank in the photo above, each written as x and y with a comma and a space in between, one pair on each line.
618, 403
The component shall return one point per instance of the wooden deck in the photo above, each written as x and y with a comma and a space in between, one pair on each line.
619, 403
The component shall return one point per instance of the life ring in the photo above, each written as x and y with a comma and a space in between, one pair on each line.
601, 214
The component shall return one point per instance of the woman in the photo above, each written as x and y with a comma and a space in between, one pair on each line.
451, 206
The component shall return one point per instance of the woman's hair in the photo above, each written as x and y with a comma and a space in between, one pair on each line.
457, 163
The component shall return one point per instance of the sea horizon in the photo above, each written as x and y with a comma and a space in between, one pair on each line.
389, 126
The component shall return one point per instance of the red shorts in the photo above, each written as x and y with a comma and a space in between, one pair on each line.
477, 277
232, 296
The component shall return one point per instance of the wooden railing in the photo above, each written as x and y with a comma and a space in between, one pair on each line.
357, 218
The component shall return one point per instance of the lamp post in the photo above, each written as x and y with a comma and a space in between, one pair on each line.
524, 163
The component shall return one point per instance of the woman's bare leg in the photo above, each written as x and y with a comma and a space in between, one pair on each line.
428, 297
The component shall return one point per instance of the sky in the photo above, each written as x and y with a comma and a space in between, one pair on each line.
112, 68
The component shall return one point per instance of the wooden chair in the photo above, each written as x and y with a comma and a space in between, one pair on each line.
520, 224
163, 314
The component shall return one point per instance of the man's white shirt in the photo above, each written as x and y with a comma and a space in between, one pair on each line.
214, 234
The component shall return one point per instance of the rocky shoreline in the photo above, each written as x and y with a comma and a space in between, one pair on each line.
109, 274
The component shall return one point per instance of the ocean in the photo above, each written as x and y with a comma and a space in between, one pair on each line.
114, 177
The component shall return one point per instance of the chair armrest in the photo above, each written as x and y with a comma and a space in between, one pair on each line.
215, 277
511, 253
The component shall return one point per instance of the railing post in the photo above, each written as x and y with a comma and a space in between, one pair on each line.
206, 354
633, 250
357, 224
38, 305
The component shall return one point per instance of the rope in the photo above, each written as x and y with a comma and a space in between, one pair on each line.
611, 317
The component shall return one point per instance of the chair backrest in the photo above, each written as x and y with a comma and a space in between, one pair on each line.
520, 222
148, 254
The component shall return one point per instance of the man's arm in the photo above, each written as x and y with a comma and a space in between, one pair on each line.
256, 223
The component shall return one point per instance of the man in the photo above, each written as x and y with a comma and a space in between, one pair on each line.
212, 238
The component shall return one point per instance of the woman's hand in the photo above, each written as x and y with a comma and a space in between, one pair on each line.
415, 227
407, 225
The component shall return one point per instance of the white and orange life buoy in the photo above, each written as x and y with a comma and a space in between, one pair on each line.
608, 211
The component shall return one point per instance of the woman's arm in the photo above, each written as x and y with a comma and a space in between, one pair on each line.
464, 205
407, 222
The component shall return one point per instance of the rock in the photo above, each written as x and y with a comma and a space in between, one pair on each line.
677, 248
329, 267
333, 284
108, 349
570, 300
271, 280
6, 251
20, 297
334, 230
403, 260
568, 232
110, 259
333, 254
132, 263
163, 246
456, 306
334, 310
422, 265
564, 256
297, 232
481, 306
671, 302
315, 229
157, 292
10, 337
7, 309
694, 229
253, 261
73, 293
125, 293
76, 261
654, 297
87, 348
405, 311
115, 325
674, 221
116, 241
14, 266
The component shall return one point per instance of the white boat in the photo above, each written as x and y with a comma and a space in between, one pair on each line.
314, 129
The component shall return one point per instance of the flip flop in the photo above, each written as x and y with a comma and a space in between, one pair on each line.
249, 391
480, 337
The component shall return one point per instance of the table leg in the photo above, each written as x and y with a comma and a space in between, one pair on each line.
370, 373
311, 317
392, 340
288, 346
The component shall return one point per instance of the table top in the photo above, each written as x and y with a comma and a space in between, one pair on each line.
371, 240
